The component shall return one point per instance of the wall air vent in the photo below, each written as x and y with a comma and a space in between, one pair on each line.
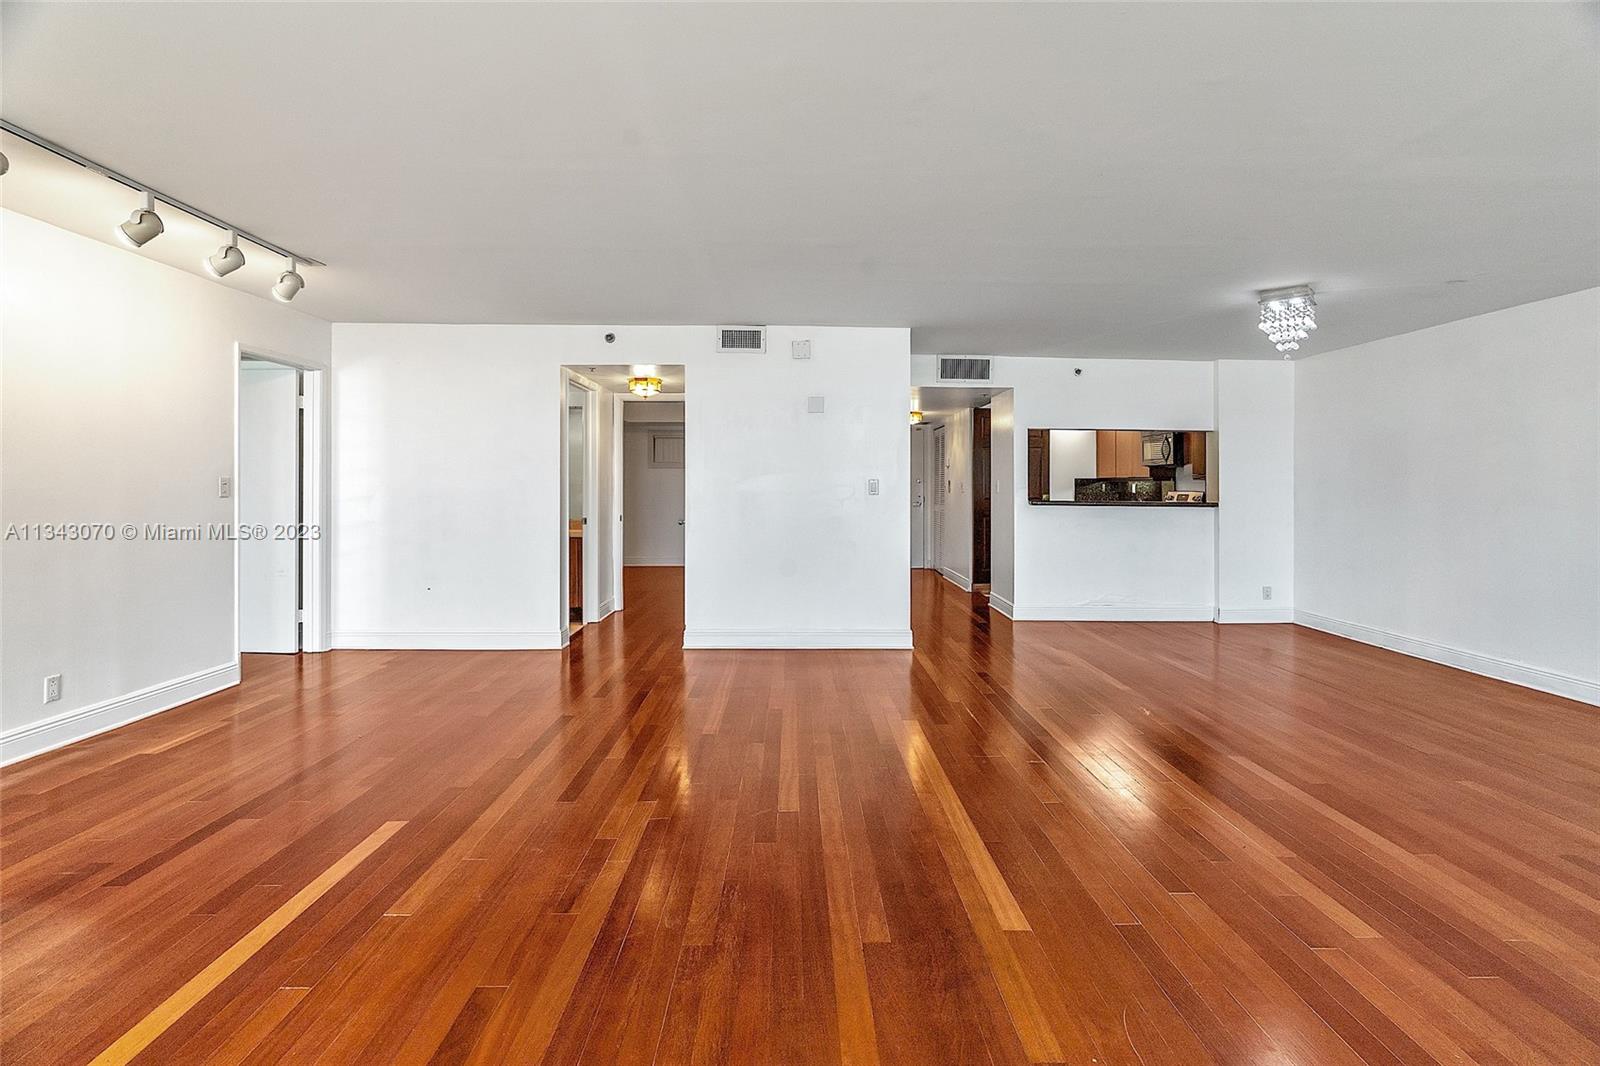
965, 368
741, 338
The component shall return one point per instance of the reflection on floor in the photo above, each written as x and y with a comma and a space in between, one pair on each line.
1045, 842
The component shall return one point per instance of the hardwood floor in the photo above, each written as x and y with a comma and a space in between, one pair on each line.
1086, 843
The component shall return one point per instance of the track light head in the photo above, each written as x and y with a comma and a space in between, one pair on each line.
143, 226
226, 259
289, 284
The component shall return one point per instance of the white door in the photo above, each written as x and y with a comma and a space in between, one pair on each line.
268, 490
936, 521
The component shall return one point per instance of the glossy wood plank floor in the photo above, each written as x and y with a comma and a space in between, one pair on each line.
1085, 843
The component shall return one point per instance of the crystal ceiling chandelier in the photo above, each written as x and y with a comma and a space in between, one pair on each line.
1288, 316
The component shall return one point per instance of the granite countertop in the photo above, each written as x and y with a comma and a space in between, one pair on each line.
1116, 503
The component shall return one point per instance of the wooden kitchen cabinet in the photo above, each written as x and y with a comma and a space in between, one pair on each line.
1194, 450
1118, 453
1105, 453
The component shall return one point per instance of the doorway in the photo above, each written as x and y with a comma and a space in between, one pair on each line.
652, 494
277, 522
982, 469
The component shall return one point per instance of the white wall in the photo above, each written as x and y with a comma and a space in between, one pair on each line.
653, 507
449, 492
653, 411
1254, 448
784, 546
442, 437
1073, 454
1447, 500
118, 406
1105, 562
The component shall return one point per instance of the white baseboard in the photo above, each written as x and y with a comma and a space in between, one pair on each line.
1534, 677
1233, 615
1118, 612
36, 738
956, 578
449, 640
1003, 605
797, 638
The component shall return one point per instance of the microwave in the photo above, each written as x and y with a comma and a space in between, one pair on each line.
1160, 449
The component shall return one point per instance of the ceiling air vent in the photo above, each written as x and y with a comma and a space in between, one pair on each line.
964, 368
741, 338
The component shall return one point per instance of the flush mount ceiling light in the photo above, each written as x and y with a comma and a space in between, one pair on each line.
227, 259
1288, 316
144, 225
289, 283
645, 387
916, 418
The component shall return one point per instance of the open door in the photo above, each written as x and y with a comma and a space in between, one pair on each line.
982, 479
938, 475
577, 460
268, 493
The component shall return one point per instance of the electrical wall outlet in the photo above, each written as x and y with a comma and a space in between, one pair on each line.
224, 487
52, 688
1266, 592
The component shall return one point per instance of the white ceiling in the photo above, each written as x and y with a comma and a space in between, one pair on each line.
1078, 179
939, 402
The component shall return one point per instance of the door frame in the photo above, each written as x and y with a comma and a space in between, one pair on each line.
919, 477
938, 466
982, 470
315, 484
619, 469
591, 500
619, 465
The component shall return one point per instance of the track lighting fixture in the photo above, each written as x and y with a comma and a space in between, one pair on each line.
227, 259
144, 225
289, 283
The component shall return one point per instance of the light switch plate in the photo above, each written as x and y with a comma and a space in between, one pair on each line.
872, 486
800, 349
814, 405
224, 487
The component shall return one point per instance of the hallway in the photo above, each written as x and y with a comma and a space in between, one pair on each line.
1052, 842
